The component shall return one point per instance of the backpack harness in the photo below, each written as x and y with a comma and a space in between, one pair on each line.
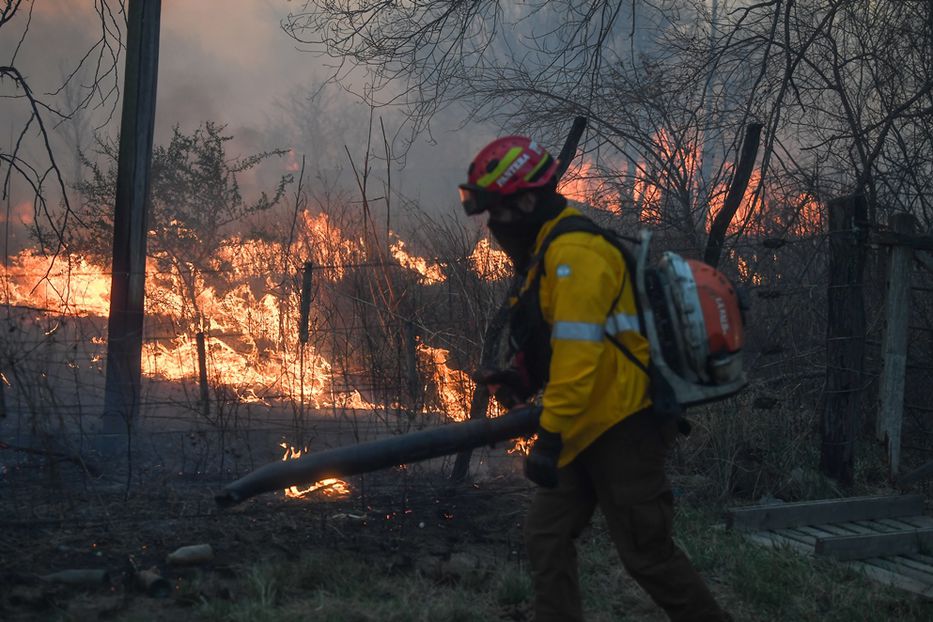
530, 333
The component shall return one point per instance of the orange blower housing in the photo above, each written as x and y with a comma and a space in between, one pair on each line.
694, 325
722, 313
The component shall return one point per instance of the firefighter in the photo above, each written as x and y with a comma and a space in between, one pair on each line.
598, 443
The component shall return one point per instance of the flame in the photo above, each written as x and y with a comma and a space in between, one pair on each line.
581, 186
523, 445
787, 213
454, 387
489, 263
251, 338
332, 487
676, 164
326, 246
597, 187
70, 285
249, 322
647, 197
431, 273
718, 198
747, 274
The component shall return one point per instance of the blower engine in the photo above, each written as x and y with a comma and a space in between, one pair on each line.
693, 320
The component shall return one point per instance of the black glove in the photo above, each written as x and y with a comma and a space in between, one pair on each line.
506, 385
541, 461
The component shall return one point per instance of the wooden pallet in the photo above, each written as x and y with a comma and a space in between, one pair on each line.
887, 538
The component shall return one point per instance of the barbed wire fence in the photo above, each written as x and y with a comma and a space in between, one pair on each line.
388, 368
53, 361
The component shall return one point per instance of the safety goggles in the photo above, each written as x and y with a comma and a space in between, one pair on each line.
476, 200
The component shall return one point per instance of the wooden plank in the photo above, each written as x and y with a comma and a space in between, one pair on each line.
892, 565
894, 579
891, 238
918, 521
878, 569
895, 523
856, 528
798, 536
907, 562
773, 540
836, 529
875, 545
877, 527
814, 531
922, 558
777, 516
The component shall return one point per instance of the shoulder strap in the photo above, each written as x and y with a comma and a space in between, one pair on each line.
567, 225
577, 223
580, 223
662, 394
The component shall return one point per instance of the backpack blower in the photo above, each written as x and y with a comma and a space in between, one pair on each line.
693, 320
691, 315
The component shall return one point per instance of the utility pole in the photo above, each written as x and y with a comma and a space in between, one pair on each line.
127, 289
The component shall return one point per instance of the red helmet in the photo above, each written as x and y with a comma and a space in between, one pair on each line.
505, 167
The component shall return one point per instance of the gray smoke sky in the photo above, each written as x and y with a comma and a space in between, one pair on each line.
228, 61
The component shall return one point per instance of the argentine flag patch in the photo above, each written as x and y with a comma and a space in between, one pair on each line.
563, 271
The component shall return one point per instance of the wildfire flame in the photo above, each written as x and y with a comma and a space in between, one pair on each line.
454, 387
489, 263
523, 445
72, 285
249, 327
431, 273
747, 274
332, 487
596, 188
677, 165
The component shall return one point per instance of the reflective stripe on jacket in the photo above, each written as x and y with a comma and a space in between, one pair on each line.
592, 385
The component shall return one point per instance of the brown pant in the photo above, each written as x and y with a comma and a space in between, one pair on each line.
622, 472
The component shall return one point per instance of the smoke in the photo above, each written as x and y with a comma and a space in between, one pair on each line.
228, 61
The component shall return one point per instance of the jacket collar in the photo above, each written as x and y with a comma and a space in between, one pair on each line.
550, 224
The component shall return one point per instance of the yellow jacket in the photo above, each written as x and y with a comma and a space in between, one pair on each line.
592, 384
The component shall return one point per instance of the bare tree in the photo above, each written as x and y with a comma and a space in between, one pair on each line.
91, 82
845, 91
195, 198
534, 67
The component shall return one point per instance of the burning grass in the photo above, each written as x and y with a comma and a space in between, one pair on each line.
245, 301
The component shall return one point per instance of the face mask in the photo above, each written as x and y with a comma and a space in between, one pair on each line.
517, 239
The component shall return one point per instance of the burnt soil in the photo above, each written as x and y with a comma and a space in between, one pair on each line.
400, 519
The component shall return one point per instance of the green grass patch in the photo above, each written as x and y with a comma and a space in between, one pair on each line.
752, 582
758, 583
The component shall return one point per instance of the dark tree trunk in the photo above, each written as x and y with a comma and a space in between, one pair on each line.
743, 172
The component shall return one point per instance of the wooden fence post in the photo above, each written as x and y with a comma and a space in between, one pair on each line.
412, 377
479, 404
845, 339
2, 396
894, 345
202, 375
